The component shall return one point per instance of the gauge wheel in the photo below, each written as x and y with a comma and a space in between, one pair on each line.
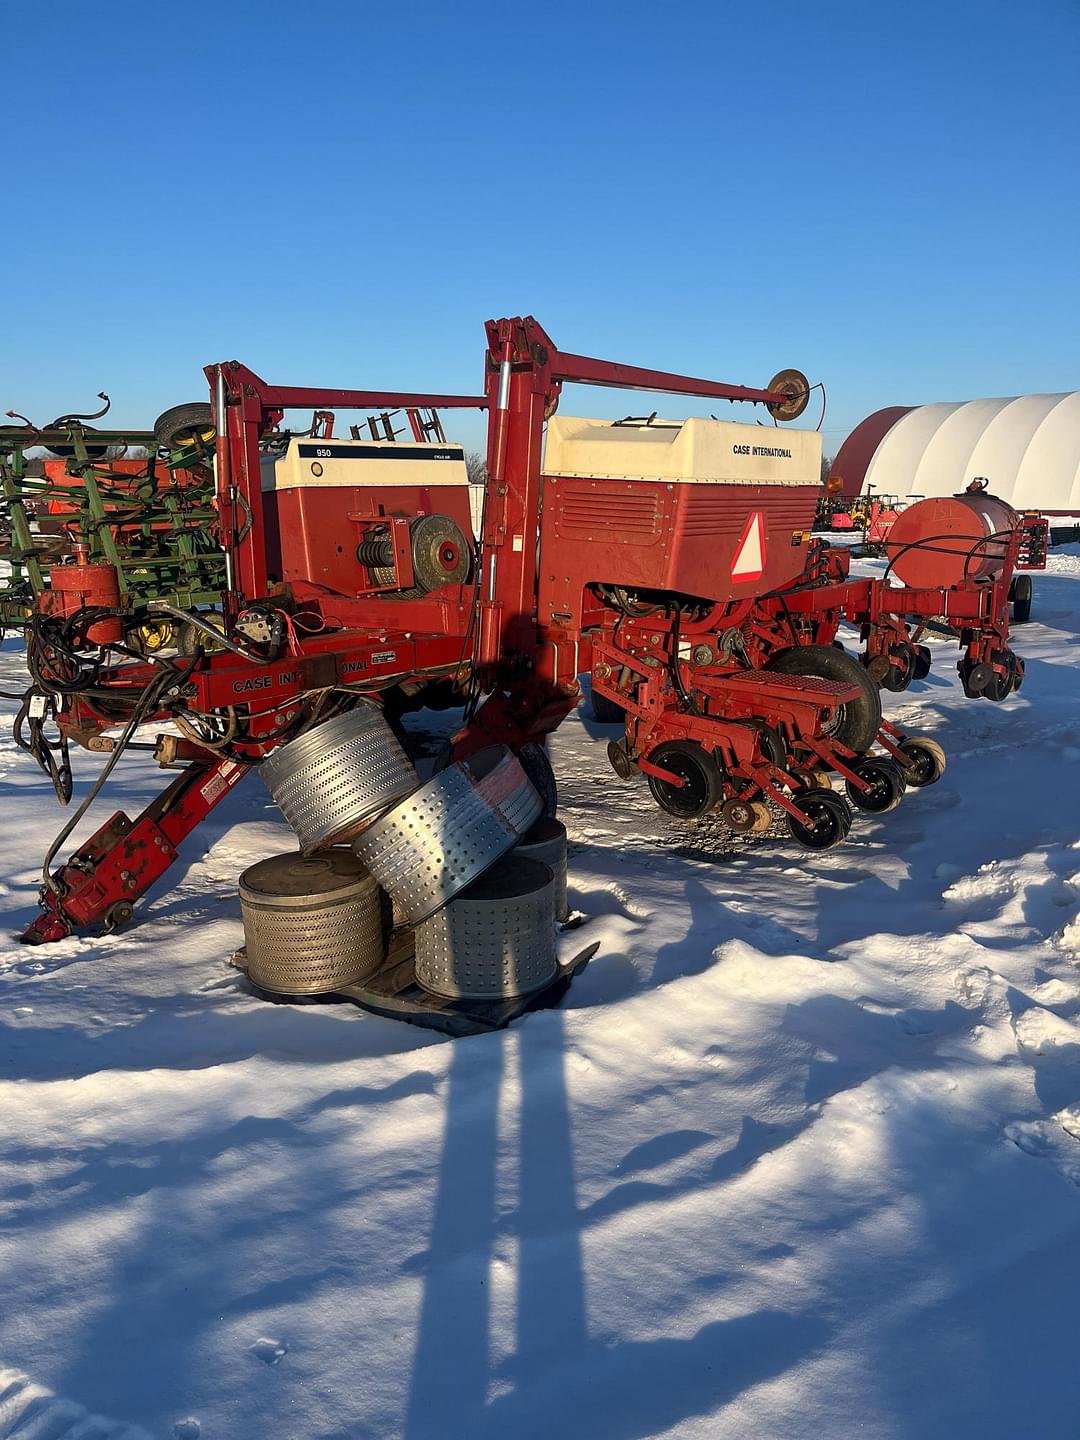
886, 781
857, 722
185, 425
829, 815
999, 687
189, 637
152, 636
974, 677
772, 744
896, 670
1021, 599
704, 780
620, 758
926, 761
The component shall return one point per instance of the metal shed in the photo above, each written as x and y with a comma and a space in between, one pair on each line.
1027, 446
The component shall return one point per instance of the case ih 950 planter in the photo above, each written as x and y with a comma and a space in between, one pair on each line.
672, 561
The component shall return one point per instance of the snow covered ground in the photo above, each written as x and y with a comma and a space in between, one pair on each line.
799, 1156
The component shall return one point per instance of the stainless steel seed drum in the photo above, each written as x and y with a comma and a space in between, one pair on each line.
337, 777
496, 939
312, 923
426, 850
546, 842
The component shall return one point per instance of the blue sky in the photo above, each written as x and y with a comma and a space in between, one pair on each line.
886, 196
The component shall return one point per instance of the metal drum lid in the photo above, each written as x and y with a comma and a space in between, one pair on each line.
431, 846
338, 776
312, 923
495, 940
546, 842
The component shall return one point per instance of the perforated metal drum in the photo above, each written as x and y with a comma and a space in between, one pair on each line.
337, 777
312, 923
496, 939
426, 850
546, 842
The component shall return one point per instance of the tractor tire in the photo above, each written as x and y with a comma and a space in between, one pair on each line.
182, 424
860, 720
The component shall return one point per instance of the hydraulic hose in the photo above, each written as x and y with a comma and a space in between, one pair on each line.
194, 618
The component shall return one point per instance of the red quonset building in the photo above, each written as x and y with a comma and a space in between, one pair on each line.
1027, 447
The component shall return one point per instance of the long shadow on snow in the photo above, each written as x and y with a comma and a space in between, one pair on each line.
709, 926
192, 1033
862, 1043
120, 1170
561, 1379
978, 1297
208, 1245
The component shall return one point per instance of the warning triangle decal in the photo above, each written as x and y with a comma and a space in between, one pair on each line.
749, 562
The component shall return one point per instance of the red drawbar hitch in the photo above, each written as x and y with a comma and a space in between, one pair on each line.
101, 882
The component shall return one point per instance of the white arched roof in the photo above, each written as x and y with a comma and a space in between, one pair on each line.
1027, 446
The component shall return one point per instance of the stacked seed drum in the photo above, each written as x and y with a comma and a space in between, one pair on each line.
476, 938
483, 918
317, 921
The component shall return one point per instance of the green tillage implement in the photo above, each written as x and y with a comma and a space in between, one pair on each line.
158, 534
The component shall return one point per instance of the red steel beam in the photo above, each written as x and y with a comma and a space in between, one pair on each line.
301, 397
583, 370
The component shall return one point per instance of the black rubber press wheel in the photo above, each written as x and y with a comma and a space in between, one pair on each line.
927, 761
886, 781
704, 779
830, 820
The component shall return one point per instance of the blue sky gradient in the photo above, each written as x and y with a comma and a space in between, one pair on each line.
884, 196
